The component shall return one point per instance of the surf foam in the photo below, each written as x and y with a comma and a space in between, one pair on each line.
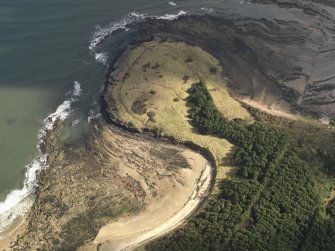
93, 114
207, 9
102, 58
18, 202
102, 33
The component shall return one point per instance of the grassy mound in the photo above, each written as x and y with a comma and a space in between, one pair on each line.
149, 90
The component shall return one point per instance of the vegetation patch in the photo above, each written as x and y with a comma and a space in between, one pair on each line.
167, 110
186, 78
54, 206
83, 227
189, 59
139, 107
272, 203
213, 70
172, 157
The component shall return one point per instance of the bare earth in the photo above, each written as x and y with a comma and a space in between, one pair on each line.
171, 206
114, 174
118, 190
148, 89
274, 110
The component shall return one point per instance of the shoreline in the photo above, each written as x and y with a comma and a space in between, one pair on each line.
26, 195
189, 208
182, 221
8, 241
109, 237
107, 110
11, 239
152, 134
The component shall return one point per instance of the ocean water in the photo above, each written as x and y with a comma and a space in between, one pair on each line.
51, 67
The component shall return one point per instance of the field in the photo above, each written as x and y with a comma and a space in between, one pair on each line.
149, 90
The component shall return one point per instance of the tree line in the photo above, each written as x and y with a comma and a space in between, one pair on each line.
271, 204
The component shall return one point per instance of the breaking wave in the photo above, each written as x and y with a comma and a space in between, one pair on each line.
102, 58
171, 16
18, 202
93, 114
102, 33
207, 9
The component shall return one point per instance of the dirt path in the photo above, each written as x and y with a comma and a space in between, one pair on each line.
164, 212
276, 111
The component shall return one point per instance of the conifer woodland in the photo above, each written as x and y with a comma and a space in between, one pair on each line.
273, 203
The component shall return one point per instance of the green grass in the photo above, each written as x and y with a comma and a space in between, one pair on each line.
158, 75
274, 202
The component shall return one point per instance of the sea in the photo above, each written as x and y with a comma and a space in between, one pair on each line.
51, 66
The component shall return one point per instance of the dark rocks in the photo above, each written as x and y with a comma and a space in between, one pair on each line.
272, 59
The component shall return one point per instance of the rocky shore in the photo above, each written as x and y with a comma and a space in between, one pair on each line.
286, 59
117, 170
108, 174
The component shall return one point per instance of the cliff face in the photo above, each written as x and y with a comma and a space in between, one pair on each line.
289, 55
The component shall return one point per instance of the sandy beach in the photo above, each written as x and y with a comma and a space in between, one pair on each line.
164, 212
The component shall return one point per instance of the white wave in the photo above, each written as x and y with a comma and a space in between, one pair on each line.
207, 9
75, 122
172, 3
102, 58
29, 184
17, 202
171, 16
7, 218
93, 114
77, 89
102, 33
62, 112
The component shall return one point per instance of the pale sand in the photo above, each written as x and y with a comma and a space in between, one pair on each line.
274, 110
6, 242
165, 212
325, 120
278, 111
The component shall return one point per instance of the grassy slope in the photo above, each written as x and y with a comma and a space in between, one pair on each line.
235, 219
162, 90
275, 202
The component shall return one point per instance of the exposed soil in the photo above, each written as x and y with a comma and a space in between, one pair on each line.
169, 109
167, 209
280, 62
110, 173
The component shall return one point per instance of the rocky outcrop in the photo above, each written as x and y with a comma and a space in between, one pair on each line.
285, 55
107, 174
